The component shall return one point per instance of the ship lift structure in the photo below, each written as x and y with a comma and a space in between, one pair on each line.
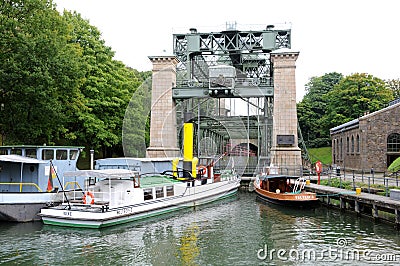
226, 81
223, 82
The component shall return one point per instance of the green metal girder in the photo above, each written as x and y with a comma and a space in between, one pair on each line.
237, 92
246, 92
189, 92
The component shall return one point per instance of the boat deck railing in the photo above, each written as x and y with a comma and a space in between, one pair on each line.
21, 185
73, 185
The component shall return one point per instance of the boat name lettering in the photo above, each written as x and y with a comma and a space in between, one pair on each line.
125, 211
67, 213
303, 197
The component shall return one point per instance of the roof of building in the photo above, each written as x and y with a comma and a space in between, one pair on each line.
354, 123
346, 126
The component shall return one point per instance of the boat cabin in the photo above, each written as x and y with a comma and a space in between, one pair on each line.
281, 183
26, 168
116, 187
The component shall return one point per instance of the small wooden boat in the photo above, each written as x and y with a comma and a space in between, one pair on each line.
284, 190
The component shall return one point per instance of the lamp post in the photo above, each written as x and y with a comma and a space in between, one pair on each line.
91, 159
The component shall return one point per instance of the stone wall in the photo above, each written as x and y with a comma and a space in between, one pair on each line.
375, 129
369, 137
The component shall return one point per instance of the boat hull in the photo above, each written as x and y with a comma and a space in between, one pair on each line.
24, 207
301, 200
124, 214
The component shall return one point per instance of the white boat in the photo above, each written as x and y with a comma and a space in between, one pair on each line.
26, 183
116, 196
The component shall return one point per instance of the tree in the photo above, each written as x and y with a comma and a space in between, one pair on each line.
39, 71
106, 90
355, 96
312, 109
59, 83
394, 85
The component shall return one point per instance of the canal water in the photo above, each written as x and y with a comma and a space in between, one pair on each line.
239, 231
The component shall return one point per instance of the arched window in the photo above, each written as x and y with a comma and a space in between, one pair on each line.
341, 148
393, 142
358, 144
334, 146
347, 145
352, 144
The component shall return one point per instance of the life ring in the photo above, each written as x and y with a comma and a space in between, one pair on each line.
88, 198
201, 170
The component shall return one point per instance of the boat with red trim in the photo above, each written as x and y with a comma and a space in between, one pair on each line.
284, 190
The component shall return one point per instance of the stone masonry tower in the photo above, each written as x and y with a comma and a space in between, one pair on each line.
163, 133
285, 150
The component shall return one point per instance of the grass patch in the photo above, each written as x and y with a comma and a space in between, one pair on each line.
323, 154
335, 182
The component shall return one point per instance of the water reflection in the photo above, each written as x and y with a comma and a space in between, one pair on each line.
188, 245
225, 233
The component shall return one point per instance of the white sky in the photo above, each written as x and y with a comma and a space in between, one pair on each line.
346, 36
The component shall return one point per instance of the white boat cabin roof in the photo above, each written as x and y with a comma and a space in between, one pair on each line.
19, 159
104, 173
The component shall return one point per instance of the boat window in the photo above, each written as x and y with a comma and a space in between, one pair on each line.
47, 154
170, 191
73, 154
148, 194
61, 155
16, 151
31, 153
159, 192
3, 152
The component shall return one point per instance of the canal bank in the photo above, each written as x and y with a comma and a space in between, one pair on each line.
378, 207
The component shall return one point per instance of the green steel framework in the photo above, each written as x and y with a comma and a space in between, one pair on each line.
249, 53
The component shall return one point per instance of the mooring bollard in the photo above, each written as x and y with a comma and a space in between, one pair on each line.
385, 180
369, 184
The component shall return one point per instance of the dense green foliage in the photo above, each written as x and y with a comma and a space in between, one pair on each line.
312, 109
332, 100
59, 83
394, 166
40, 71
394, 85
354, 96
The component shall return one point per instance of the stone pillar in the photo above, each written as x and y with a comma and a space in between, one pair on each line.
285, 151
163, 133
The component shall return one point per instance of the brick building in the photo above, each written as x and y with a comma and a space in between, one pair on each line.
371, 141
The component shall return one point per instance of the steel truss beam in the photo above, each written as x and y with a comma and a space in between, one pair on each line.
247, 51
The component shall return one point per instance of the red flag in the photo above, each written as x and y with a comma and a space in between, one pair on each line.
52, 175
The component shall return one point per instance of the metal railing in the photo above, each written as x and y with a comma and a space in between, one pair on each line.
371, 183
73, 184
21, 185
